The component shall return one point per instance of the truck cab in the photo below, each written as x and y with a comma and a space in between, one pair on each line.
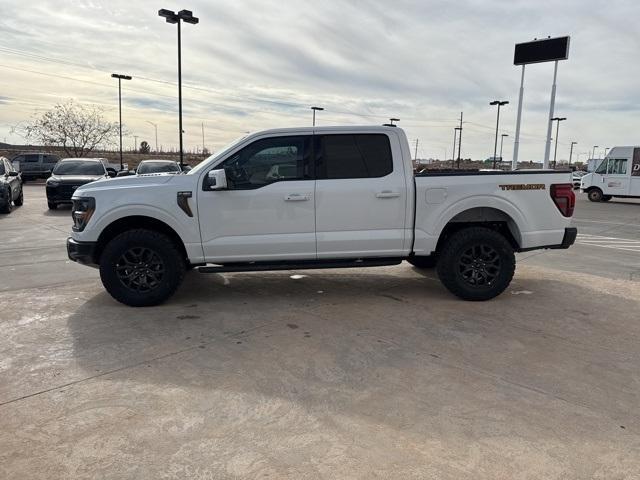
618, 175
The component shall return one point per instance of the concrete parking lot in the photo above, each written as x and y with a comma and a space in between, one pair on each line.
372, 373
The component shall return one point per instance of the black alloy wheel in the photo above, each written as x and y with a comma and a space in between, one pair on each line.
479, 265
140, 269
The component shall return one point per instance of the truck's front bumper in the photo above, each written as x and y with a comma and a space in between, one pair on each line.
569, 238
82, 252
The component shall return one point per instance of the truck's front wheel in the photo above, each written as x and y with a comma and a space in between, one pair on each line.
141, 268
476, 263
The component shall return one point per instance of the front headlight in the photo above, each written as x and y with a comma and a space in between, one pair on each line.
81, 212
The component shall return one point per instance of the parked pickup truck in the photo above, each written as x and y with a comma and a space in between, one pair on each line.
316, 198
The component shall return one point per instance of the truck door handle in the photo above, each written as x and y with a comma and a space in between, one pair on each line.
296, 197
387, 194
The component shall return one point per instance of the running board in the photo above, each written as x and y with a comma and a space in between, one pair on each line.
300, 265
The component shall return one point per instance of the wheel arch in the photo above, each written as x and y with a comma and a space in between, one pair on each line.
488, 217
133, 222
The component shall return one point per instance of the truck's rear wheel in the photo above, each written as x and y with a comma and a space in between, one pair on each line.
141, 268
595, 195
476, 263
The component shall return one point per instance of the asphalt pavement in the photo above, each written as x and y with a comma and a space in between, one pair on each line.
359, 373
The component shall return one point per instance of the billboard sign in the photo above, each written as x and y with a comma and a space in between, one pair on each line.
538, 51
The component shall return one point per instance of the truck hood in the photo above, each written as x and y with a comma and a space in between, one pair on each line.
126, 182
74, 179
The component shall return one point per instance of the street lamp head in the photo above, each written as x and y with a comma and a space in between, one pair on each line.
121, 77
457, 128
504, 135
317, 108
558, 119
394, 119
187, 16
168, 15
499, 102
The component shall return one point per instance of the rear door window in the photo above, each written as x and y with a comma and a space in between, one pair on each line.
353, 156
32, 158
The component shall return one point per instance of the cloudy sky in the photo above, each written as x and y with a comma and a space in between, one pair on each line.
251, 65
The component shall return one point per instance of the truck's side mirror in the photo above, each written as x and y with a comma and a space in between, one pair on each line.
111, 172
216, 180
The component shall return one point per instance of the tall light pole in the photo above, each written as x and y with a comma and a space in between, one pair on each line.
316, 109
501, 142
571, 151
499, 103
555, 151
178, 18
155, 125
593, 153
120, 78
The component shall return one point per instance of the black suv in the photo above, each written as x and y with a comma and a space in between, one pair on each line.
35, 165
10, 186
69, 174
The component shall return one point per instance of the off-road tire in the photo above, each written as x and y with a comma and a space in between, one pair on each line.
595, 195
423, 261
114, 265
453, 266
20, 200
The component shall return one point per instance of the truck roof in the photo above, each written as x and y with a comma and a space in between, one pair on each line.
330, 128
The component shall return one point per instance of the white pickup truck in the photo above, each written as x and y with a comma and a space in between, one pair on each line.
308, 198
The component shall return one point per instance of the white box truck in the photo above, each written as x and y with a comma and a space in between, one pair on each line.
617, 176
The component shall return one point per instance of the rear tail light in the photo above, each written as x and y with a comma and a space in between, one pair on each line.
564, 198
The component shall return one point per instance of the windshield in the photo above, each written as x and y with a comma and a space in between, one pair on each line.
602, 168
79, 167
157, 167
220, 154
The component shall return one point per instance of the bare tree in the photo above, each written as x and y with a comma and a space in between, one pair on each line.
77, 128
144, 147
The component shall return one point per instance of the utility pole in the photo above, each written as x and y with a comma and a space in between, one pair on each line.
453, 155
571, 151
460, 140
415, 156
135, 143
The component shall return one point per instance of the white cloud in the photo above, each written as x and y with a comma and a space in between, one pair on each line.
259, 64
